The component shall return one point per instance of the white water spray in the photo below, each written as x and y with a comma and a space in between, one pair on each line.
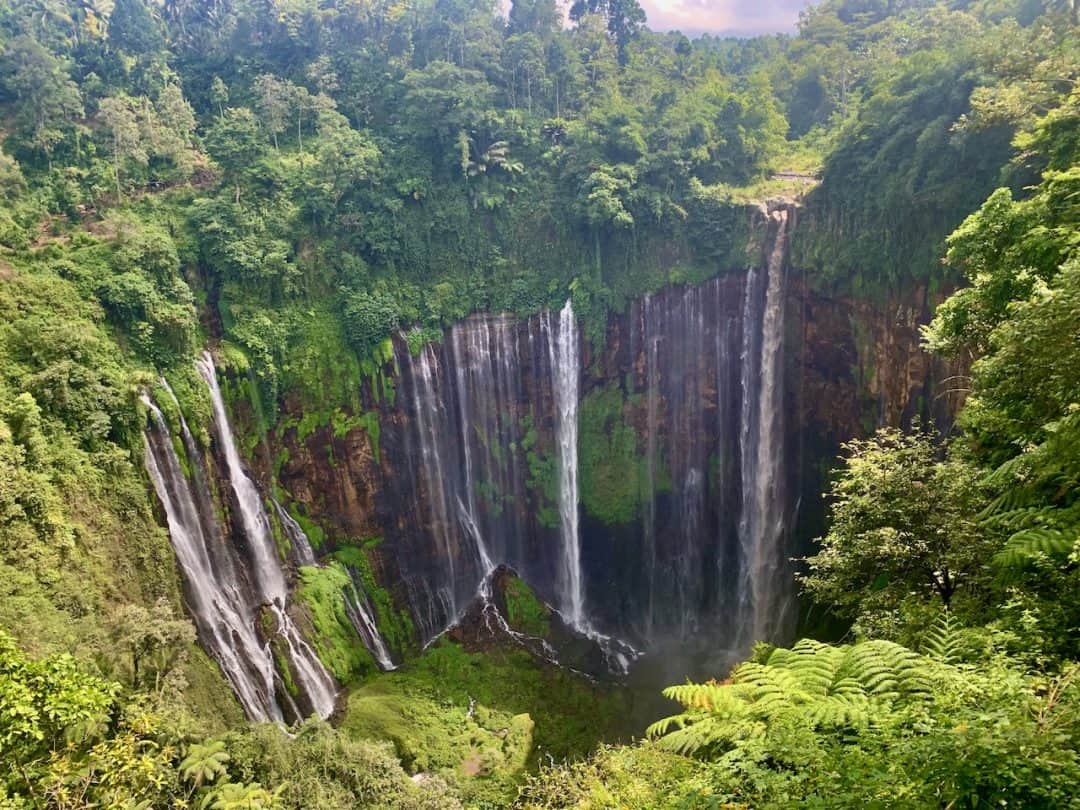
269, 579
565, 353
224, 622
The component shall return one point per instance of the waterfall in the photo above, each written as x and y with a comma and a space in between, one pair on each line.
476, 399
469, 479
653, 338
362, 618
225, 623
357, 606
492, 437
433, 589
761, 521
299, 543
702, 384
564, 350
268, 578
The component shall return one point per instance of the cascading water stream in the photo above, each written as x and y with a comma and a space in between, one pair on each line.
226, 626
761, 521
437, 600
268, 578
362, 618
565, 352
357, 607
299, 543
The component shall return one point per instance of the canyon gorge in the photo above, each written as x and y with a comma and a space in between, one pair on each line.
651, 487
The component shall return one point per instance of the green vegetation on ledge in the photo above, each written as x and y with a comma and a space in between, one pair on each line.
481, 720
524, 610
323, 590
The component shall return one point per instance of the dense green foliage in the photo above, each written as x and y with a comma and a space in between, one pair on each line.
480, 720
871, 725
298, 180
903, 527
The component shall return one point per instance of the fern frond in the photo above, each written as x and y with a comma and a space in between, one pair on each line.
1023, 518
852, 711
818, 685
1027, 544
942, 643
1007, 474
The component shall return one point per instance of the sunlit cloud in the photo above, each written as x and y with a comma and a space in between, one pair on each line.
742, 17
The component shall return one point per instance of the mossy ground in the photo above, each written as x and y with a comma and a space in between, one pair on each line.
322, 590
525, 612
483, 720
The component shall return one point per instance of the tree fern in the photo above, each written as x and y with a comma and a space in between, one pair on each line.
205, 763
1038, 500
817, 685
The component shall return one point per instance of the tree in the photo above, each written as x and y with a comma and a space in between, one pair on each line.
443, 100
156, 642
219, 95
902, 524
134, 29
120, 116
175, 127
46, 99
525, 53
369, 317
44, 705
345, 162
625, 19
272, 100
539, 17
205, 763
236, 143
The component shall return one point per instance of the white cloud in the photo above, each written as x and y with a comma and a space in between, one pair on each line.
723, 16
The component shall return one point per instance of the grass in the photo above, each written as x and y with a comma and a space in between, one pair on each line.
483, 720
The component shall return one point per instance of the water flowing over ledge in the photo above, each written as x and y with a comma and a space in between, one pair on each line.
490, 458
238, 593
491, 444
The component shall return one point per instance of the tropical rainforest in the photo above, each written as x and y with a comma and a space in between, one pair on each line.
441, 404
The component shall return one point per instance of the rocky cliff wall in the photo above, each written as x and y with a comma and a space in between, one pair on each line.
671, 424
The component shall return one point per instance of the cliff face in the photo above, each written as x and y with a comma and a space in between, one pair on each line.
705, 421
860, 366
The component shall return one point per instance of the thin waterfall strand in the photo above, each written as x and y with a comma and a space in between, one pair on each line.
226, 625
269, 578
761, 522
564, 348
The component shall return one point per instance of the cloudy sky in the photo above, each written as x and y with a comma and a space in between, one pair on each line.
741, 17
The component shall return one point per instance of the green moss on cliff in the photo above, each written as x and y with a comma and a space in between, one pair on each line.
322, 590
525, 612
610, 462
395, 626
542, 480
320, 369
374, 369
